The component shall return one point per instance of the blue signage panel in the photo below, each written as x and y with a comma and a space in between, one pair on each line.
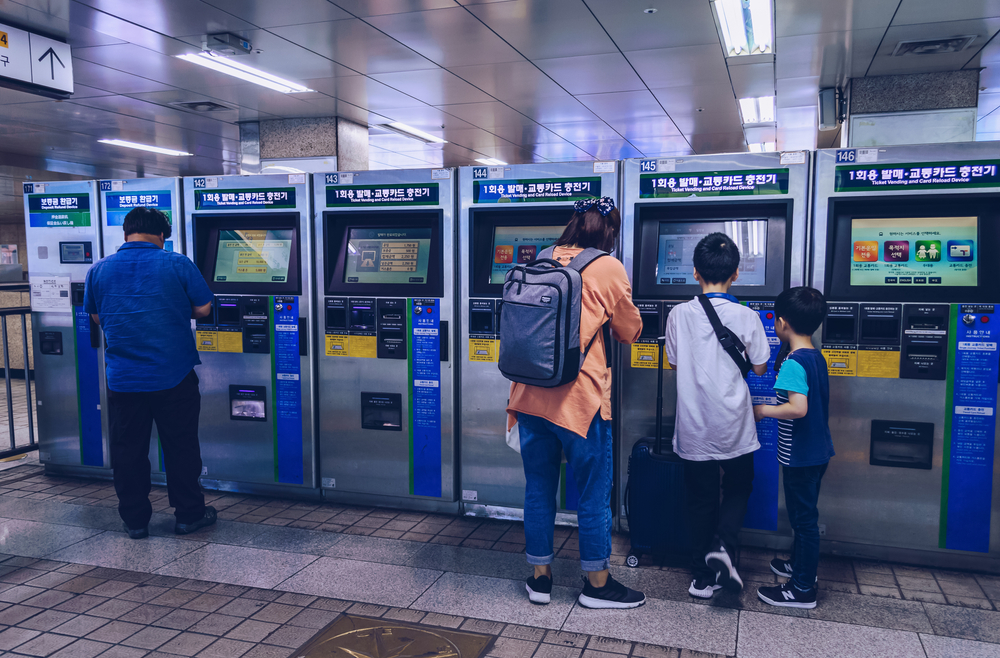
120, 204
287, 391
762, 511
425, 398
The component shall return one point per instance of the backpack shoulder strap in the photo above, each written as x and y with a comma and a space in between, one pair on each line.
585, 258
731, 343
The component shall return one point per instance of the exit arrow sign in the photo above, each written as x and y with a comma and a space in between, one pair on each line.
36, 64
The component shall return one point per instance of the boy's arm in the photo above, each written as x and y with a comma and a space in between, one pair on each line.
796, 407
760, 370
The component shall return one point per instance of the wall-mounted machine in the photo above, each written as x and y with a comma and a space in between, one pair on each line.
508, 214
385, 275
761, 202
904, 245
250, 237
118, 198
62, 227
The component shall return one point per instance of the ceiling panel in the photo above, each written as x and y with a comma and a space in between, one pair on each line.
752, 80
935, 11
673, 24
685, 101
527, 135
796, 92
817, 16
173, 18
647, 127
655, 146
548, 110
589, 131
831, 55
623, 107
449, 37
111, 80
680, 67
610, 149
141, 109
692, 123
592, 74
433, 86
885, 64
363, 8
801, 140
60, 19
11, 96
427, 118
510, 81
546, 29
286, 12
719, 142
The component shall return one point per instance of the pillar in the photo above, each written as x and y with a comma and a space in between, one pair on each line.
308, 144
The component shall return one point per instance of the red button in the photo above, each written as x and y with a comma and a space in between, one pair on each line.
288, 308
430, 309
770, 316
984, 318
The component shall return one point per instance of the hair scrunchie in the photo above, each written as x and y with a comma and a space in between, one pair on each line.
605, 204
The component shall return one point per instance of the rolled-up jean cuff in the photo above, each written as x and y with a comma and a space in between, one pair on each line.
539, 561
595, 565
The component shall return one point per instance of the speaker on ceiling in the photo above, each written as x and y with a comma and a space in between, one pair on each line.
829, 116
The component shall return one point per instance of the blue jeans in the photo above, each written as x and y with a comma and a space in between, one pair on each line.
801, 497
542, 445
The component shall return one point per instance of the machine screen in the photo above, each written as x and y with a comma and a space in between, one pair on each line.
387, 255
922, 251
677, 240
253, 256
519, 244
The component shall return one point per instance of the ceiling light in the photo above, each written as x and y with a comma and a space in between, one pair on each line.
757, 110
410, 131
243, 72
493, 162
745, 26
761, 148
143, 147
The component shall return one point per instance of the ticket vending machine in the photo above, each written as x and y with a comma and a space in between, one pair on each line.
62, 227
507, 215
761, 201
385, 280
250, 237
905, 244
118, 198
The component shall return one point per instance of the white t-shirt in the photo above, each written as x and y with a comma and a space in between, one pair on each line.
714, 409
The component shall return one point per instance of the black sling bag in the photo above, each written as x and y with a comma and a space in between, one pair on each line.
731, 343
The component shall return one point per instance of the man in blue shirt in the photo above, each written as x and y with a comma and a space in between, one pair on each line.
144, 299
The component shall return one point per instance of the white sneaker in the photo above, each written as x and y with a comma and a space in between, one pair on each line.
703, 587
725, 573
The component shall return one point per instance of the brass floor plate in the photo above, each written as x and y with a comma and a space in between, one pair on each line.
363, 637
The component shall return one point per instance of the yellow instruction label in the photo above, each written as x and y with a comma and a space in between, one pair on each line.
231, 341
645, 355
206, 341
336, 345
878, 363
484, 349
365, 347
841, 363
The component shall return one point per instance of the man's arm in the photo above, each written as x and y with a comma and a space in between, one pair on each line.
95, 318
200, 311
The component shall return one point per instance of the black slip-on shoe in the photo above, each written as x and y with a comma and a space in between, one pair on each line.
539, 590
612, 595
136, 533
187, 528
718, 560
787, 595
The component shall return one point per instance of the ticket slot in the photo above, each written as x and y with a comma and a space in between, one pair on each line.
51, 342
382, 411
362, 314
925, 342
391, 329
483, 317
841, 325
880, 324
902, 444
336, 315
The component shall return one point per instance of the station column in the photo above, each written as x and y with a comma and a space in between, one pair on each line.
302, 139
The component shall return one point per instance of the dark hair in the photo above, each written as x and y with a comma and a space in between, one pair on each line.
716, 258
803, 308
592, 229
146, 220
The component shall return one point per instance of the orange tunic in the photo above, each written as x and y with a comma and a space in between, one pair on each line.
606, 295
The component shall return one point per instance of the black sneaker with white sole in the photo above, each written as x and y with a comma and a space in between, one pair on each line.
612, 595
704, 587
539, 589
787, 595
718, 560
781, 567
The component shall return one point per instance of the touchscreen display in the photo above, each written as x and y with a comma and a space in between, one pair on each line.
387, 255
253, 256
513, 245
921, 251
677, 240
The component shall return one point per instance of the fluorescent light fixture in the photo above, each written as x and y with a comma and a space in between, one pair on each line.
410, 131
757, 110
765, 147
239, 70
493, 162
745, 26
143, 147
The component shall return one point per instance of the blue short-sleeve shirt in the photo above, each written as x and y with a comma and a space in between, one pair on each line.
143, 296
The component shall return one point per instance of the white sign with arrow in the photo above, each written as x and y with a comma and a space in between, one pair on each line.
35, 59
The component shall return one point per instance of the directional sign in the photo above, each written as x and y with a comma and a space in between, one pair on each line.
35, 60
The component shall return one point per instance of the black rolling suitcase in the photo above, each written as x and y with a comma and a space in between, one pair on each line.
655, 505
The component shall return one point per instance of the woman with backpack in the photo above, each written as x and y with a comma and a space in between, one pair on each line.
575, 417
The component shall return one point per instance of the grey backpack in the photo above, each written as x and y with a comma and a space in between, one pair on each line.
540, 320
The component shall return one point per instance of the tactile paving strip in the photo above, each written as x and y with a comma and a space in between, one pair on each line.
362, 637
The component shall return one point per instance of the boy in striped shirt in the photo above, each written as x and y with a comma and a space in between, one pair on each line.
804, 443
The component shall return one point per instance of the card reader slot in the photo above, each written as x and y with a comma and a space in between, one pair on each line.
840, 330
880, 329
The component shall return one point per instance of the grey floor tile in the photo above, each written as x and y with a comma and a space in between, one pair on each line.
32, 539
233, 533
374, 549
238, 565
495, 599
950, 647
495, 564
294, 540
850, 609
85, 516
671, 623
776, 636
967, 623
368, 582
117, 551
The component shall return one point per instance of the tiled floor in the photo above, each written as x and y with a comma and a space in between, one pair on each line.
262, 581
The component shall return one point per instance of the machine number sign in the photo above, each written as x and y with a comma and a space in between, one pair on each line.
35, 60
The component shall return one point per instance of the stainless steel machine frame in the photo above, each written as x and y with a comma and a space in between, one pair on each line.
410, 461
117, 198
240, 454
62, 245
877, 511
636, 417
492, 474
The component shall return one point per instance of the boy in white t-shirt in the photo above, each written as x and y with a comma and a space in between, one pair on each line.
714, 427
